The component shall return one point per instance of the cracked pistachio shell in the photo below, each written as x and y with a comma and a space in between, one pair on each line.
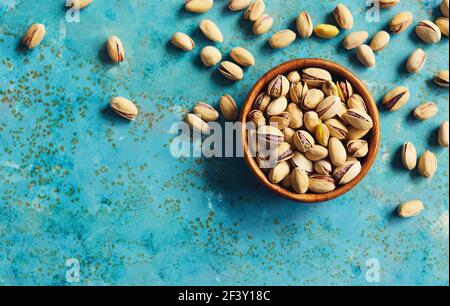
296, 92
257, 117
409, 155
427, 164
279, 173
210, 56
347, 172
300, 161
321, 183
299, 181
322, 135
443, 135
278, 87
343, 17
317, 153
443, 24
385, 4
197, 124
231, 71
255, 10
380, 41
296, 116
294, 77
428, 32
326, 31
305, 25
270, 134
34, 36
211, 30
396, 98
313, 99
311, 120
359, 119
303, 141
242, 56
426, 111
80, 4
280, 121
238, 5
330, 88
277, 106
124, 108
115, 49
356, 101
329, 107
337, 152
401, 22
354, 133
410, 209
205, 112
282, 39
442, 78
323, 167
183, 41
416, 61
337, 129
444, 8
262, 102
262, 25
366, 56
198, 6
284, 152
358, 148
346, 90
316, 77
355, 39
228, 107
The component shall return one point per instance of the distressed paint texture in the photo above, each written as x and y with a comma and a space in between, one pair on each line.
79, 182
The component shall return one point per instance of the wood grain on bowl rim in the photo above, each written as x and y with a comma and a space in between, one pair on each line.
340, 73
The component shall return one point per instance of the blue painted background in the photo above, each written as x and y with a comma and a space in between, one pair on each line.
78, 182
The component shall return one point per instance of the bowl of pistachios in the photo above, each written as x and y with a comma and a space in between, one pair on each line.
311, 130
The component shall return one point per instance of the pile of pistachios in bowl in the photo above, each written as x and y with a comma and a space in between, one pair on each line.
309, 131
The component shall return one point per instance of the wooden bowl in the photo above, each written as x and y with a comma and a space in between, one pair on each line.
338, 72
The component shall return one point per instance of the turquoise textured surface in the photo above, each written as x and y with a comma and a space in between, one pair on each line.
78, 182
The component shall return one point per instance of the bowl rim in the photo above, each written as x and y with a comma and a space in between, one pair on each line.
334, 69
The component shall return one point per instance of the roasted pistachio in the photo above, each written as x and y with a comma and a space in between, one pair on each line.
343, 17
300, 161
355, 39
401, 22
347, 172
262, 25
228, 108
115, 49
380, 41
443, 24
410, 209
280, 121
296, 116
396, 98
409, 155
317, 153
315, 77
255, 10
238, 5
210, 56
278, 87
311, 120
427, 164
34, 36
261, 102
346, 90
354, 133
282, 39
385, 4
257, 117
366, 56
277, 106
279, 173
206, 112
443, 134
124, 108
337, 129
426, 111
321, 183
337, 152
444, 8
283, 152
329, 107
358, 148
79, 4
303, 141
442, 78
313, 99
323, 167
289, 135
231, 71
270, 134
198, 6
428, 32
322, 134
294, 77
359, 119
299, 181
183, 41
211, 30
197, 124
416, 61
356, 101
242, 56
304, 25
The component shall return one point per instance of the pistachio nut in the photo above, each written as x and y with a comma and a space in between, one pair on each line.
289, 135
282, 39
347, 172
329, 107
337, 129
34, 36
228, 108
401, 22
444, 8
286, 183
211, 30
300, 161
426, 111
270, 134
264, 162
304, 25
427, 164
321, 183
443, 24
443, 135
279, 173
355, 39
359, 119
257, 117
337, 152
317, 153
231, 71
385, 4
280, 121
277, 106
366, 56
410, 209
416, 61
262, 25
79, 4
323, 167
206, 112
124, 108
428, 32
261, 102
255, 10
296, 92
296, 116
311, 120
294, 77
299, 181
346, 90
380, 41
183, 41
315, 77
396, 98
358, 148
354, 133
238, 5
442, 78
197, 124
278, 87
198, 6
409, 155
322, 134
284, 152
303, 141
210, 56
356, 101
115, 49
330, 88
242, 56
313, 99
326, 31
343, 16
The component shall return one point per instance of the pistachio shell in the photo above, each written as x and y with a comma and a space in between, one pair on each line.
211, 30
183, 41
198, 6
282, 39
205, 112
299, 181
380, 41
279, 173
443, 134
255, 10
443, 24
300, 161
337, 152
355, 39
210, 56
262, 25
366, 56
401, 22
197, 124
228, 108
427, 164
242, 56
277, 106
305, 26
410, 209
442, 78
428, 32
416, 61
231, 71
426, 111
124, 108
396, 98
343, 16
34, 36
409, 155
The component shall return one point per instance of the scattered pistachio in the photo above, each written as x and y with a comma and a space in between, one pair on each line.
426, 111
282, 39
210, 56
396, 98
305, 26
343, 16
229, 108
183, 41
427, 164
211, 30
401, 22
326, 31
428, 32
262, 25
231, 71
198, 6
124, 108
416, 61
242, 56
380, 41
34, 36
409, 155
410, 209
443, 135
355, 39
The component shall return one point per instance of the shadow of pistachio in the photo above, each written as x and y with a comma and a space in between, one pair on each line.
433, 138
397, 163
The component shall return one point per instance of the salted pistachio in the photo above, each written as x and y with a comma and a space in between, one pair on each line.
316, 77
296, 92
277, 106
444, 8
359, 119
79, 4
322, 134
385, 4
337, 152
238, 5
323, 167
355, 39
416, 61
270, 134
231, 71
426, 111
294, 77
279, 173
283, 152
313, 99
124, 108
299, 181
354, 133
443, 25
442, 78
409, 155
303, 141
410, 209
443, 134
242, 56
366, 56
34, 36
316, 153
343, 17
396, 98
262, 25
282, 39
428, 32
401, 22
255, 10
198, 6
300, 161
206, 112
329, 107
358, 148
257, 117
347, 172
380, 41
280, 121
326, 31
289, 135
356, 101
346, 90
228, 107
197, 124
115, 49
319, 183
278, 87
210, 56
211, 30
427, 164
183, 41
311, 120
296, 116
262, 102
337, 129
304, 25
330, 88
